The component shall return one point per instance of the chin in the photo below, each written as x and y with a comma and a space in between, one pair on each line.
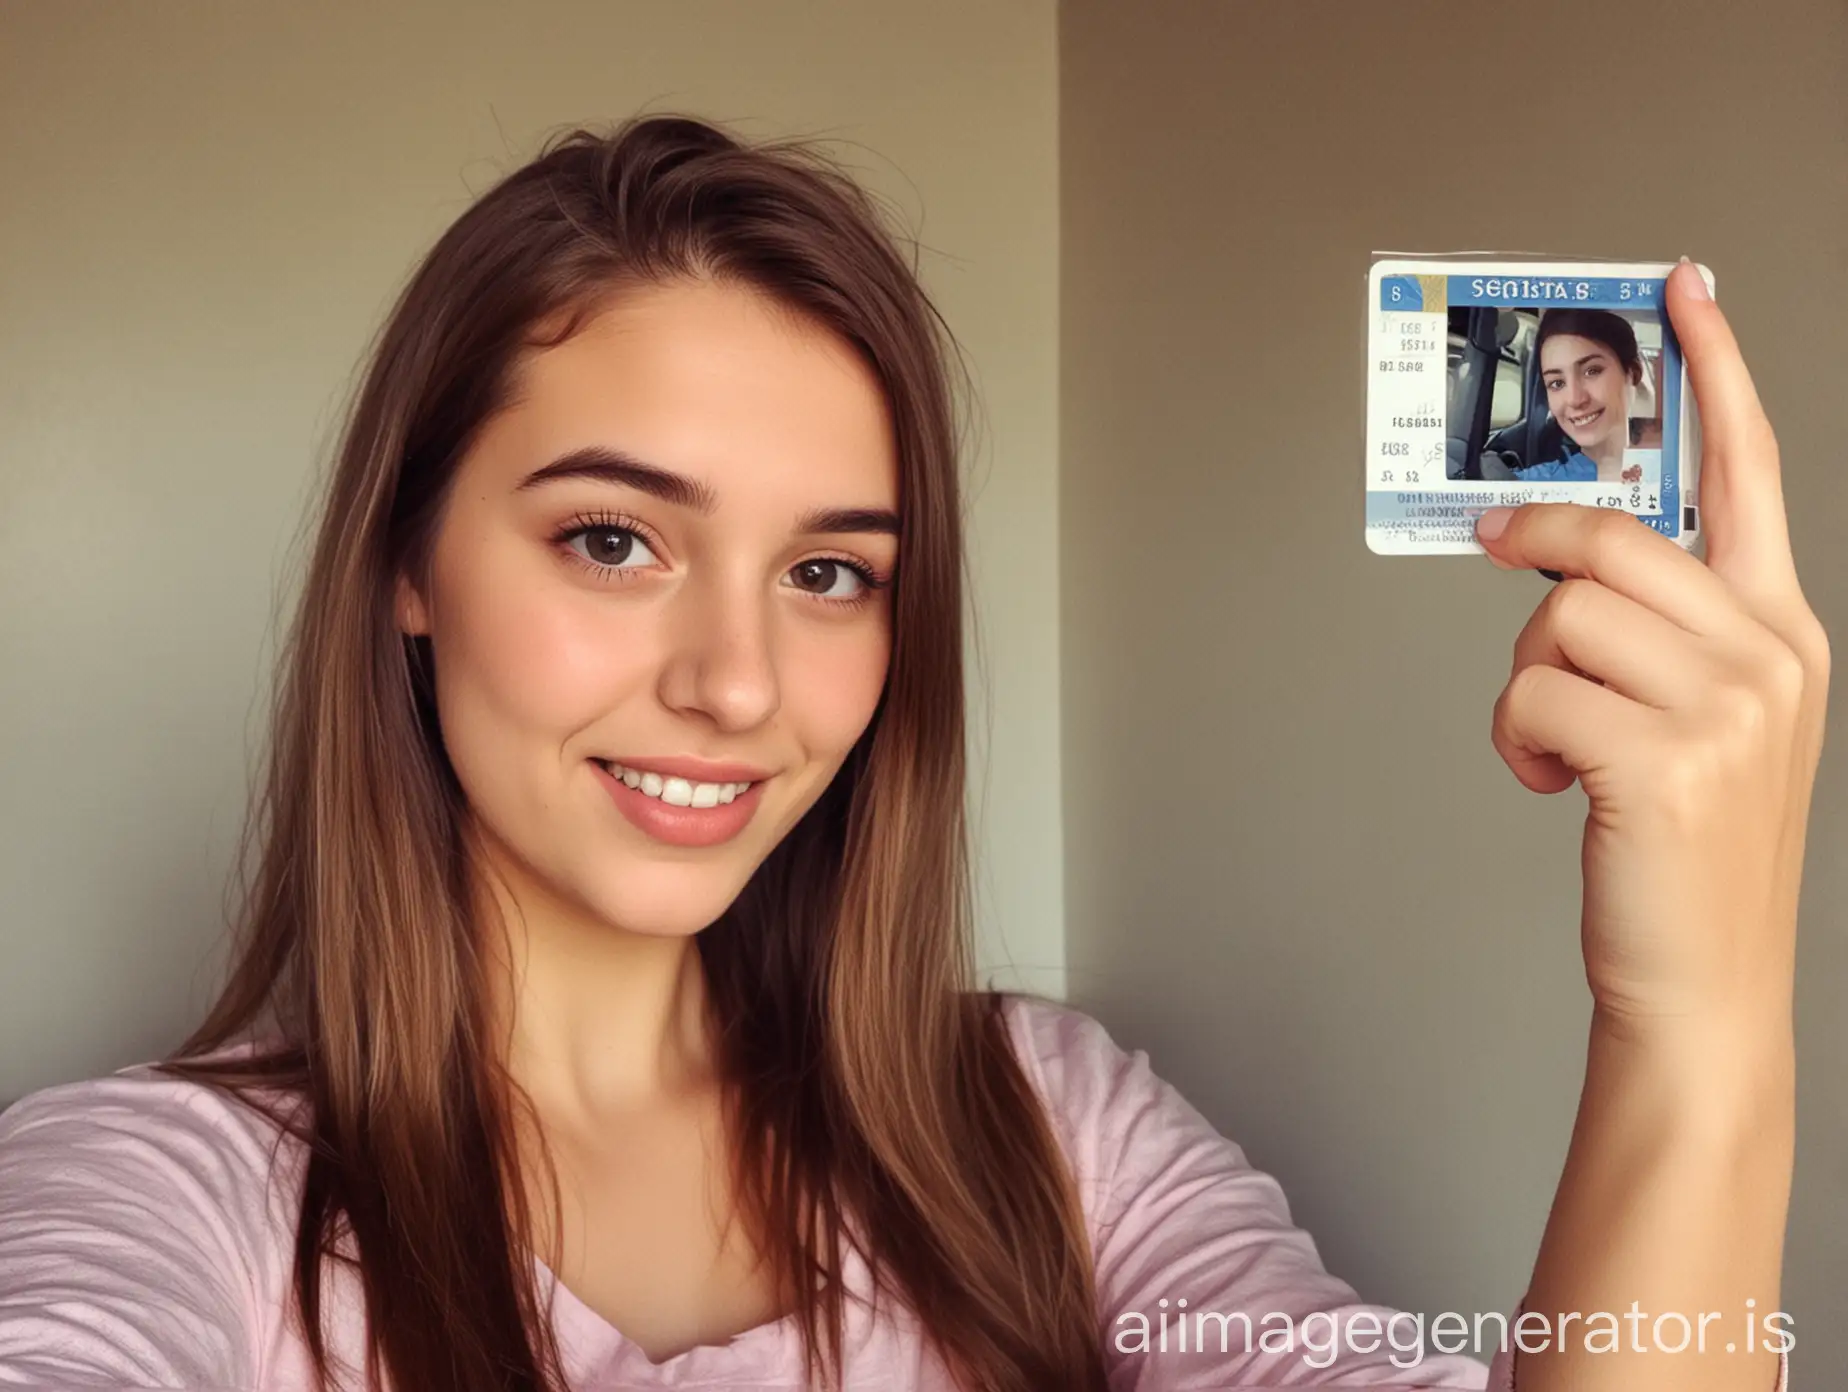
662, 901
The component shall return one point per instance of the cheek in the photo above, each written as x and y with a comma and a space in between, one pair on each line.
531, 655
833, 686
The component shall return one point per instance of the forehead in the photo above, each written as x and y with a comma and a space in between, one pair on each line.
716, 381
1562, 350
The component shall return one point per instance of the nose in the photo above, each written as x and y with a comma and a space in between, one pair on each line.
1580, 392
721, 661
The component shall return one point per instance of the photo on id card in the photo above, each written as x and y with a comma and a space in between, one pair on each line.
1501, 382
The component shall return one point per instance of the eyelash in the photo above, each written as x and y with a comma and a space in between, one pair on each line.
582, 522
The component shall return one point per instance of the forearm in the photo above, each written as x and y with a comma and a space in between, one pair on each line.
1673, 1202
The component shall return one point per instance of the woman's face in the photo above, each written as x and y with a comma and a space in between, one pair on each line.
654, 635
1586, 389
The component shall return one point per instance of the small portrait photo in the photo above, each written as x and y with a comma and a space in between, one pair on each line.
1555, 394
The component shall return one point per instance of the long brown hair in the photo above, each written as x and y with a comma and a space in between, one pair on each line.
875, 1095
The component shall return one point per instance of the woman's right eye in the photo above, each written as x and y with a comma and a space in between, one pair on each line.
611, 548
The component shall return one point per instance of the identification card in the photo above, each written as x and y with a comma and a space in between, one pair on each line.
1501, 382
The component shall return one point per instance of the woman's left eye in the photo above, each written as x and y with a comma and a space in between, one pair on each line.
829, 579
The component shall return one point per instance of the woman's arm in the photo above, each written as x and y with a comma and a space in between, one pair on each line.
1687, 700
1203, 1280
1669, 1217
126, 1251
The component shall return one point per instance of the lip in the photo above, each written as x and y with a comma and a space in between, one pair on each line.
693, 770
681, 826
1580, 425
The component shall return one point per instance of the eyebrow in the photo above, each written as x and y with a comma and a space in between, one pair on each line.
836, 520
602, 464
605, 465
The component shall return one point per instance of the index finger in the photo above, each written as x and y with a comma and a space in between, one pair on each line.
1613, 548
1741, 483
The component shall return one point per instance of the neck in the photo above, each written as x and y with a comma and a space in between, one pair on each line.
595, 1020
1607, 454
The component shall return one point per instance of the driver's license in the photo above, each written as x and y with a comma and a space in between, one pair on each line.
1500, 382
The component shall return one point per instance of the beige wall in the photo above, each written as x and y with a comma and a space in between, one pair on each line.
1295, 870
206, 208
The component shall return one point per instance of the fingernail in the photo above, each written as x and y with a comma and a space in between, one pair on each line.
1693, 284
1492, 523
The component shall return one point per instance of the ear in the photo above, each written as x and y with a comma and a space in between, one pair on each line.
413, 616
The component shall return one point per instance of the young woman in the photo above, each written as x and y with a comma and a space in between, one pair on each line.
1590, 370
604, 1016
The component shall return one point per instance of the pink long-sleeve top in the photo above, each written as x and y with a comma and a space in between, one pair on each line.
145, 1242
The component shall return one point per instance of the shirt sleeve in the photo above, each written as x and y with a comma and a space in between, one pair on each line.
129, 1215
1203, 1280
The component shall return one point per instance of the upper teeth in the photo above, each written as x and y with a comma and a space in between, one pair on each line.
678, 792
1587, 419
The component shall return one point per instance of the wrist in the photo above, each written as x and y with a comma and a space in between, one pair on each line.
1720, 1075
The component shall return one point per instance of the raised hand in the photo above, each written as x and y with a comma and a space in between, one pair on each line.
1687, 700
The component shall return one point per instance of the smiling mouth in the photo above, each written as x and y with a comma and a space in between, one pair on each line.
1580, 422
677, 792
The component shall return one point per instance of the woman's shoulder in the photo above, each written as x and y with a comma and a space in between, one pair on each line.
1574, 467
1068, 1051
143, 1144
1119, 1120
147, 1098
1063, 1049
